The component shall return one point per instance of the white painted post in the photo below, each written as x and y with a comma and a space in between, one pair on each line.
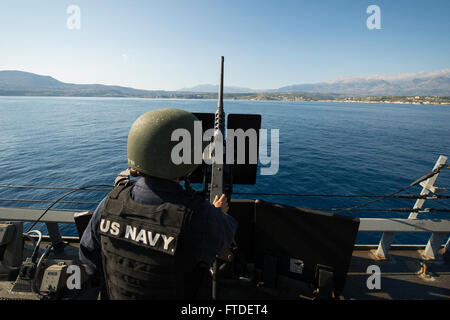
388, 237
428, 186
431, 251
384, 245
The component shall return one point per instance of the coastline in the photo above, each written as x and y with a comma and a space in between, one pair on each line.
425, 100
385, 102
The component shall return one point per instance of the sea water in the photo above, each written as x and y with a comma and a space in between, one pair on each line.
324, 148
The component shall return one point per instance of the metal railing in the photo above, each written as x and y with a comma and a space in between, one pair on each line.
389, 227
437, 236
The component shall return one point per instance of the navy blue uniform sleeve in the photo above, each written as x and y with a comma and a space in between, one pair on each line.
212, 231
90, 248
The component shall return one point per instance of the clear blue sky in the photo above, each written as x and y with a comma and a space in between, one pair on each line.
266, 44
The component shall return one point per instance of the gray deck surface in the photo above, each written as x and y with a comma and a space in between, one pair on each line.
399, 277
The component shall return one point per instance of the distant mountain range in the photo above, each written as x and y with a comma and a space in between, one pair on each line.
436, 83
422, 83
29, 84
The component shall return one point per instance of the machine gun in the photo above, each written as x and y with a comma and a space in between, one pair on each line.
218, 175
218, 141
267, 253
218, 184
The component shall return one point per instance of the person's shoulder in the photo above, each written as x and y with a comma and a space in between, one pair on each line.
98, 211
102, 203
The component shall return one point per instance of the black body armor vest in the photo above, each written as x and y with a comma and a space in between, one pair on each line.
145, 252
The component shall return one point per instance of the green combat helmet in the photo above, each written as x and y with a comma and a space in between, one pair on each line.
149, 144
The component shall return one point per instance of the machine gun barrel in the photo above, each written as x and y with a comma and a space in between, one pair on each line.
217, 177
217, 182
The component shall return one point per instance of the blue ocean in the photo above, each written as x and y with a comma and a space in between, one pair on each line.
325, 148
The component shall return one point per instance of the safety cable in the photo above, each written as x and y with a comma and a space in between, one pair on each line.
425, 177
39, 200
378, 197
384, 210
62, 197
405, 196
53, 188
319, 195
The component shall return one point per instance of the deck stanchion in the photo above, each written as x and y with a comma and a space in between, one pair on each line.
432, 248
431, 251
427, 187
385, 244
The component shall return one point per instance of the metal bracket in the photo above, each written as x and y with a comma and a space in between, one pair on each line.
325, 279
382, 252
55, 236
431, 251
431, 188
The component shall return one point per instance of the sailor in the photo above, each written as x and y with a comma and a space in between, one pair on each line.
153, 239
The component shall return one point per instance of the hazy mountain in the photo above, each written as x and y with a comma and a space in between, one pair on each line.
26, 80
30, 84
422, 83
210, 88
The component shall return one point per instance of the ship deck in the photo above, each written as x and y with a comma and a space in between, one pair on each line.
402, 276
